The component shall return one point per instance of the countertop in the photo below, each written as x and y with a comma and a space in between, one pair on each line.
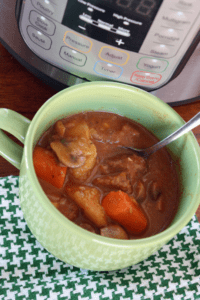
24, 93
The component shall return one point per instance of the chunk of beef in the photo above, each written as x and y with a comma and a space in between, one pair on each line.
68, 208
87, 227
134, 165
125, 136
119, 181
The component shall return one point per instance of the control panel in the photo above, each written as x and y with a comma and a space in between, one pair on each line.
138, 42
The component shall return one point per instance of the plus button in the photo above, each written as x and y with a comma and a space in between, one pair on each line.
119, 42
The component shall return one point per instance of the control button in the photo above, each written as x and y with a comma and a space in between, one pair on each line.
44, 6
119, 42
77, 42
145, 78
39, 38
113, 55
108, 70
160, 50
185, 4
176, 19
152, 64
73, 56
167, 36
42, 23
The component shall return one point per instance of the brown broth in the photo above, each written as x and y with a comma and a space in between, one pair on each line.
108, 131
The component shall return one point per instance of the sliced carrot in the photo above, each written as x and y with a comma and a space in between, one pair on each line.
47, 168
121, 208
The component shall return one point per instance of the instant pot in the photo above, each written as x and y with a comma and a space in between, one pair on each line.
151, 44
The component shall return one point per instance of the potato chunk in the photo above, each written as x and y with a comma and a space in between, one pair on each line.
78, 130
88, 198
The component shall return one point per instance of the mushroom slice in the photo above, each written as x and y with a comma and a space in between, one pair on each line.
154, 190
60, 128
70, 156
139, 191
114, 231
90, 153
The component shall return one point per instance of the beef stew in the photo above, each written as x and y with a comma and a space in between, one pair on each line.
101, 187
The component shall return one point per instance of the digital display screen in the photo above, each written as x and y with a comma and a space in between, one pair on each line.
141, 8
120, 23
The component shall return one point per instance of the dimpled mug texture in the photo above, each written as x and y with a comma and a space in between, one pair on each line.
63, 238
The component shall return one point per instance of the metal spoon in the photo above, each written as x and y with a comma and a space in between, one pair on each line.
194, 122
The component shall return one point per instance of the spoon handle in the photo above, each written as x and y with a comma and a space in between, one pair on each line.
192, 123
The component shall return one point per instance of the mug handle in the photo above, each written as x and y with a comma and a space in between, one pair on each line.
17, 125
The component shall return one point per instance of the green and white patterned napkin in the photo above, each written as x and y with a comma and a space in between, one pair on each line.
28, 271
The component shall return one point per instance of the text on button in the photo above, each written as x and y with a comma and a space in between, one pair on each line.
113, 55
42, 23
44, 6
72, 56
39, 38
108, 70
77, 42
152, 64
144, 78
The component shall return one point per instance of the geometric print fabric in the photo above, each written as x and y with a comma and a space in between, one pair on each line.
28, 271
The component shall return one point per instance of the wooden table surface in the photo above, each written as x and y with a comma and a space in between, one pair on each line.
24, 93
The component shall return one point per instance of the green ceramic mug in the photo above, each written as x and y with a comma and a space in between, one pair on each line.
56, 233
